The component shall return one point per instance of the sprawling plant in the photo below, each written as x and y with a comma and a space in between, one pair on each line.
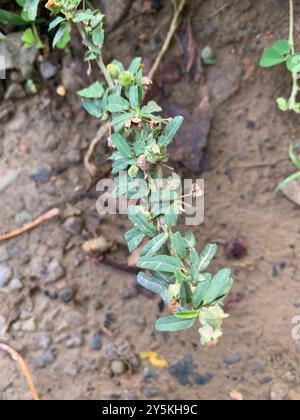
283, 51
140, 139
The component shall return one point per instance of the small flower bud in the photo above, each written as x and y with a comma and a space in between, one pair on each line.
126, 79
113, 70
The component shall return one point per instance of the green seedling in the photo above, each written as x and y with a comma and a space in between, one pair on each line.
140, 137
283, 52
294, 157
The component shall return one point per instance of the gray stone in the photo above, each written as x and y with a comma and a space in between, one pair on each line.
15, 53
43, 342
15, 91
19, 123
265, 380
149, 373
73, 157
118, 367
75, 341
42, 175
55, 271
73, 225
96, 342
46, 359
47, 70
203, 379
66, 295
232, 359
5, 275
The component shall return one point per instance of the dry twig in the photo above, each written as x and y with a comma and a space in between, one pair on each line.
17, 358
178, 9
29, 226
91, 167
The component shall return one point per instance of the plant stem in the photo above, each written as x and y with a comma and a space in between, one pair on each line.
103, 69
295, 90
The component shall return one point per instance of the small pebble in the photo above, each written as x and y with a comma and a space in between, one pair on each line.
118, 367
265, 380
204, 379
250, 125
16, 284
149, 373
55, 271
236, 248
66, 294
29, 325
73, 157
43, 342
73, 225
75, 341
47, 70
232, 359
15, 91
5, 275
42, 176
46, 359
96, 342
278, 268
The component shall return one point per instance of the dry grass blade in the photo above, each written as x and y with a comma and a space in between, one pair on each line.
178, 9
17, 358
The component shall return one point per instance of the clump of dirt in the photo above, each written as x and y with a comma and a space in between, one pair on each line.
78, 318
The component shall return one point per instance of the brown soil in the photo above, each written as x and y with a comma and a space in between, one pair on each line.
247, 151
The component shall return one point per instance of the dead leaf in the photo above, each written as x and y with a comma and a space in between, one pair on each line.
97, 246
154, 360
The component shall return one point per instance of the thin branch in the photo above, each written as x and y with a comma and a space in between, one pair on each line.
178, 9
29, 226
91, 167
17, 358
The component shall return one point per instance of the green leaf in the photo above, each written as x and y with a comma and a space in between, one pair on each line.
121, 144
194, 265
201, 290
117, 104
189, 239
154, 285
154, 245
178, 244
98, 36
94, 91
121, 165
151, 108
11, 18
62, 36
170, 131
276, 54
163, 263
294, 158
207, 255
120, 119
293, 63
82, 16
134, 96
187, 314
92, 108
139, 219
134, 238
28, 38
56, 22
289, 179
173, 324
282, 104
219, 287
31, 9
135, 65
